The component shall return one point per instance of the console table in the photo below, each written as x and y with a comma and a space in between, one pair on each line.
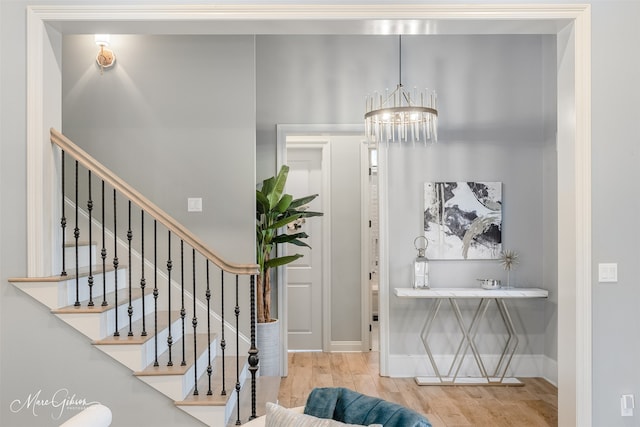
498, 376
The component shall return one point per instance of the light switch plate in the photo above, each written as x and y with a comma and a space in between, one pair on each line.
607, 272
194, 204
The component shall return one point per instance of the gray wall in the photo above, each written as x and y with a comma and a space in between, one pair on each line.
615, 174
175, 119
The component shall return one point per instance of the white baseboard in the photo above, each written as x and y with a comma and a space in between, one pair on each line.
550, 370
532, 365
345, 346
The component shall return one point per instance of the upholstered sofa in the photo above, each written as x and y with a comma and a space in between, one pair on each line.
337, 406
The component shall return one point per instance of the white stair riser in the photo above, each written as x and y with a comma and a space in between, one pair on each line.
123, 314
68, 287
138, 357
83, 256
100, 325
217, 415
178, 386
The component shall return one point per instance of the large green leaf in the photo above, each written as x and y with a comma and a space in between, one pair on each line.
268, 185
276, 262
309, 214
287, 238
299, 243
286, 220
302, 201
262, 203
284, 203
278, 189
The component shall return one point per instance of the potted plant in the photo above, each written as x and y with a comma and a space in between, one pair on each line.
278, 216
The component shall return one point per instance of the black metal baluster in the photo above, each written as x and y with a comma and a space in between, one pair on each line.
115, 262
155, 289
253, 351
223, 343
237, 312
143, 281
103, 254
194, 322
76, 234
183, 312
209, 368
63, 223
169, 267
90, 279
130, 307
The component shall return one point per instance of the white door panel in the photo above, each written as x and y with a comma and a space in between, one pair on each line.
304, 276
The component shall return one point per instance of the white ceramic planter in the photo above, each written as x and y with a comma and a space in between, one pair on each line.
268, 342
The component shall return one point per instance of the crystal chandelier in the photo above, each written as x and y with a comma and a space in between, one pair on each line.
402, 116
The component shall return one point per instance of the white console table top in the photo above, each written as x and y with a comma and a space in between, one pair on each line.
471, 293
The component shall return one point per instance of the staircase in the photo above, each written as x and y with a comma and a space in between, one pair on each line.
159, 313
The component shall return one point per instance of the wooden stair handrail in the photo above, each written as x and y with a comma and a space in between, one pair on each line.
158, 214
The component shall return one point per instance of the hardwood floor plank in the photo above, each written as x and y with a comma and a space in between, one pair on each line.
364, 384
533, 405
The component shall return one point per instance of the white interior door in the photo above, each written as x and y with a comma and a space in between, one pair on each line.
304, 276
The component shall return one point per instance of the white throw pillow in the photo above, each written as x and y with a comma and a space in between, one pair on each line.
277, 416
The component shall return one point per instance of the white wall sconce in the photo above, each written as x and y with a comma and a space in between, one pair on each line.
105, 57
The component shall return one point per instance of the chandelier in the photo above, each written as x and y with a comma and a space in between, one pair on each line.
402, 116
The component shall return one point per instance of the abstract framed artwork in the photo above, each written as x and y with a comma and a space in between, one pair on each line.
463, 220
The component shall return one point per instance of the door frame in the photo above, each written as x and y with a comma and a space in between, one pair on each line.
282, 277
316, 140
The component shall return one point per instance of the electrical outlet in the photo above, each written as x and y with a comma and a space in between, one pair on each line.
626, 405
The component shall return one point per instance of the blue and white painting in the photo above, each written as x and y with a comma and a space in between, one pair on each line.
463, 220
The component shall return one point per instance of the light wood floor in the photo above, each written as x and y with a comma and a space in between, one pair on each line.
534, 404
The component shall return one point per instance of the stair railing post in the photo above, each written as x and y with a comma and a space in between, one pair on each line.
130, 307
63, 220
143, 281
223, 343
90, 209
208, 295
194, 322
169, 268
76, 235
237, 313
253, 351
103, 254
183, 312
115, 262
155, 291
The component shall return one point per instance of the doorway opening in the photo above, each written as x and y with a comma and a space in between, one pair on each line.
342, 241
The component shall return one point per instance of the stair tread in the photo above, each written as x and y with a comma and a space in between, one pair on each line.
123, 298
80, 243
136, 327
216, 398
71, 274
176, 356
